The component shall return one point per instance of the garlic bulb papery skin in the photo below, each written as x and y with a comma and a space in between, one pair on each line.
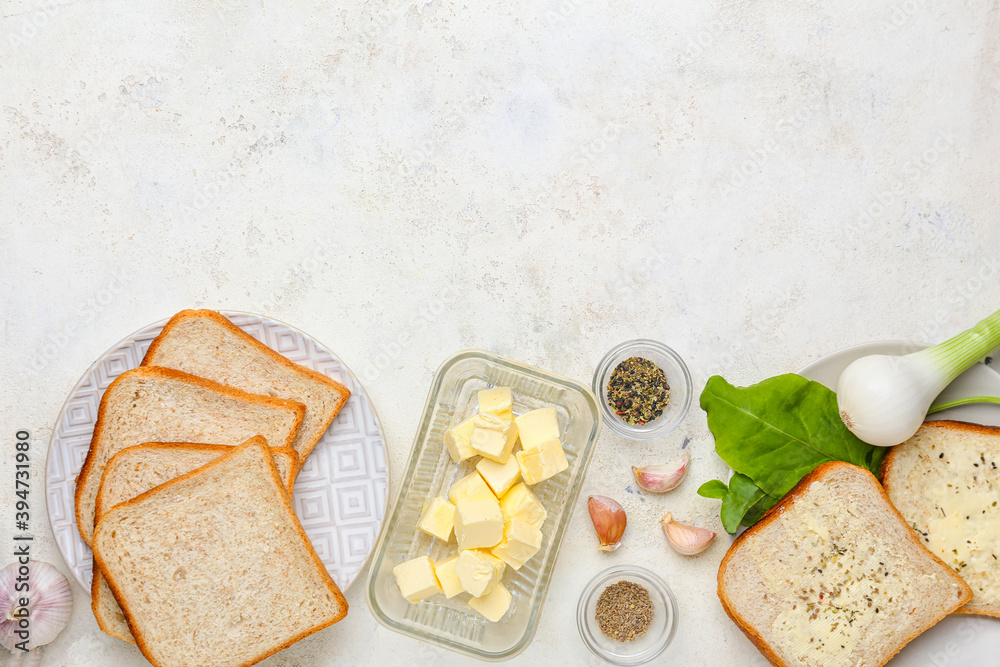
884, 399
50, 602
32, 658
609, 521
686, 540
661, 478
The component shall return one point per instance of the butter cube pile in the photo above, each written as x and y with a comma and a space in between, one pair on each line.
495, 518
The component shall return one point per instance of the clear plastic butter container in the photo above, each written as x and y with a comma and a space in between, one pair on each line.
430, 472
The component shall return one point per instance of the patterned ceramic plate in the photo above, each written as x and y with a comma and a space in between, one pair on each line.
340, 494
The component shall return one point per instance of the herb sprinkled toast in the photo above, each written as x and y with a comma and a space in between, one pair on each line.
945, 482
135, 470
207, 344
150, 404
832, 576
213, 568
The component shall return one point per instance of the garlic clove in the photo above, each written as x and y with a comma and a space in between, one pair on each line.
50, 602
661, 478
609, 521
686, 540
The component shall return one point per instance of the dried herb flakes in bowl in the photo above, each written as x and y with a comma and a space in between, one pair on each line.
638, 391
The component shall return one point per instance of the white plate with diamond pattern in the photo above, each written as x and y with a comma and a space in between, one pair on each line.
340, 494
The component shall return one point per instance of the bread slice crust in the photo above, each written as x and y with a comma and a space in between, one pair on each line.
316, 424
127, 455
890, 464
205, 471
88, 481
101, 598
818, 474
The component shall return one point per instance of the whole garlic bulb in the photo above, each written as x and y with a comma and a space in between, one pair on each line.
49, 603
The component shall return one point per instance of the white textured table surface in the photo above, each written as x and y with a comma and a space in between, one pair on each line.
755, 184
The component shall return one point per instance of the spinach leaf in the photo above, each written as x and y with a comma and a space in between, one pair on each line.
776, 431
742, 501
743, 494
714, 489
755, 513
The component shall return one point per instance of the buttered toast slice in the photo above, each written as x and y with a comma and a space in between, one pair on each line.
135, 470
207, 344
150, 404
213, 568
946, 484
832, 576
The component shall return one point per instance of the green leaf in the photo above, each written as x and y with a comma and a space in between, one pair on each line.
755, 513
776, 431
714, 489
742, 501
743, 495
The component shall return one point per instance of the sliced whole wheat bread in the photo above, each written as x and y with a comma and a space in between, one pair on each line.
150, 404
213, 568
832, 576
945, 482
207, 344
138, 469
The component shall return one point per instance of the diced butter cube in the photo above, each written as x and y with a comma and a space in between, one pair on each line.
470, 487
520, 542
416, 579
520, 503
478, 571
493, 437
500, 476
451, 585
457, 441
497, 401
438, 519
539, 464
492, 605
537, 426
478, 523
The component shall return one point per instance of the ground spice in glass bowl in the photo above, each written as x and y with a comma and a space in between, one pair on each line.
638, 391
624, 611
626, 615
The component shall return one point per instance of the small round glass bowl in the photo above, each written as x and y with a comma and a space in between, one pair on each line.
678, 377
661, 629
